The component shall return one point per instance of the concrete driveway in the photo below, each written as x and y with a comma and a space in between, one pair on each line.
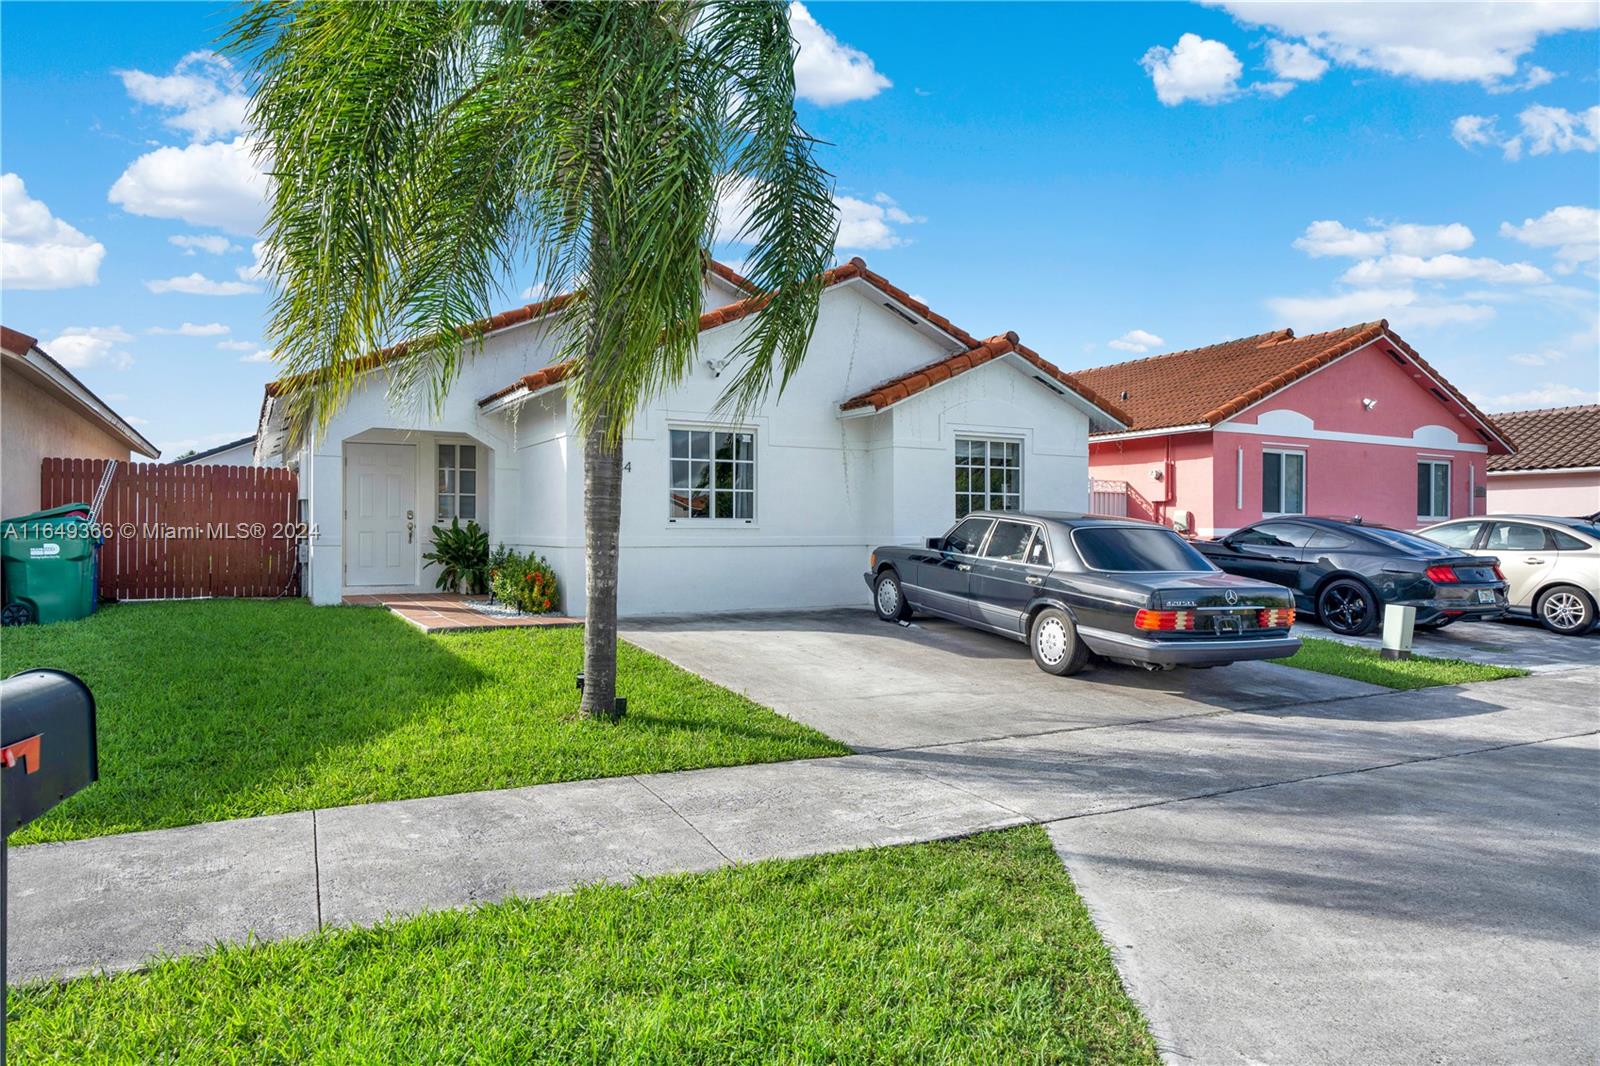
878, 686
1291, 868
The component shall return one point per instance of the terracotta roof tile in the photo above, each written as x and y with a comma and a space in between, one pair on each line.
1205, 386
553, 374
909, 384
1555, 438
15, 341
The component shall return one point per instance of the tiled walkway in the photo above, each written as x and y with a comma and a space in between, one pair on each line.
434, 612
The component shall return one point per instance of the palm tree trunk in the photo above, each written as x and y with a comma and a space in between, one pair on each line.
602, 521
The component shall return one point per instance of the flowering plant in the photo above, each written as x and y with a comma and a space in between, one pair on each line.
525, 582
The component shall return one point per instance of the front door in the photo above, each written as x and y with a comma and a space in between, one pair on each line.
380, 503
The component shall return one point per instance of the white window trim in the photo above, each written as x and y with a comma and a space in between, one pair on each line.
1449, 484
689, 522
478, 480
994, 438
1305, 481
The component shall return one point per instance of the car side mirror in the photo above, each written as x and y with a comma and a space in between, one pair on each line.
935, 544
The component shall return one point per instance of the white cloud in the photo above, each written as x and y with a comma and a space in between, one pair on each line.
238, 346
199, 285
863, 224
1481, 42
1533, 78
201, 242
38, 250
1555, 129
261, 355
1399, 268
1288, 59
827, 71
1402, 307
1332, 238
1574, 232
203, 92
1543, 130
1542, 396
79, 347
135, 420
1472, 131
217, 185
535, 292
1193, 69
1136, 340
191, 329
1544, 358
258, 266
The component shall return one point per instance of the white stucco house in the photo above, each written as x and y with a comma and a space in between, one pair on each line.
894, 410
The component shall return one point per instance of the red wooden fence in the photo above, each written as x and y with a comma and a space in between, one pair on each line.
177, 532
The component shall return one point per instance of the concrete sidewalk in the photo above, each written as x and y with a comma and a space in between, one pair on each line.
114, 902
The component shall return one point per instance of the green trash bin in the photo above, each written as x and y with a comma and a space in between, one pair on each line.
48, 561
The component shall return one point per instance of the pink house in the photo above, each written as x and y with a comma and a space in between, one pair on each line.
1556, 468
1348, 422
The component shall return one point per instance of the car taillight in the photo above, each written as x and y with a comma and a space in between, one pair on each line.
1273, 617
1144, 619
1499, 573
1442, 575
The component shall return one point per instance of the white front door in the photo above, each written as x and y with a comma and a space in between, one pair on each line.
380, 502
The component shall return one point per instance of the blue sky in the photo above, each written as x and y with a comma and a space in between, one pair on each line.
1109, 180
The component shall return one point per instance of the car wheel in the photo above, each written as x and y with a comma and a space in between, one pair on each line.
1564, 609
889, 600
1053, 639
1347, 608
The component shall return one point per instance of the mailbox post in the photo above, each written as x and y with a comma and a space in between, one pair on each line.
47, 753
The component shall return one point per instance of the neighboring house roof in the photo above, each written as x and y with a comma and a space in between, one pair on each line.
1554, 438
209, 452
975, 354
34, 363
1201, 387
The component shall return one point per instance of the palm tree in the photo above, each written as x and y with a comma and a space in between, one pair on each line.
424, 152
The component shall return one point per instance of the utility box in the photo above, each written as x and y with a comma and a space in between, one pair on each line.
49, 566
1399, 624
48, 749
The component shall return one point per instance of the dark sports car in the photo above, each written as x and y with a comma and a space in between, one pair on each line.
1345, 571
1069, 585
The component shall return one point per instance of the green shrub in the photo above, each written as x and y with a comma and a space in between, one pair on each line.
462, 556
525, 582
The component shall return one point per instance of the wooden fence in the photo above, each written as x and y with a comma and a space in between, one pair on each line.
178, 532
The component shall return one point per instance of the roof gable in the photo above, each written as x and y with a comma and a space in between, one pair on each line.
1200, 387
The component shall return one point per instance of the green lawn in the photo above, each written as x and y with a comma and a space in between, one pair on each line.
976, 950
230, 708
1364, 664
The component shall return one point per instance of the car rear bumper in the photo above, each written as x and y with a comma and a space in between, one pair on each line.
1127, 647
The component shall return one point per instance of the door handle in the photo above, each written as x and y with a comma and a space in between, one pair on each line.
1284, 559
963, 566
1032, 580
411, 532
1534, 562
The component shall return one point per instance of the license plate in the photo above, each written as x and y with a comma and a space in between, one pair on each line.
1486, 595
1227, 623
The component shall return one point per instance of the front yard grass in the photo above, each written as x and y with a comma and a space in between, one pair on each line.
231, 708
1364, 664
977, 950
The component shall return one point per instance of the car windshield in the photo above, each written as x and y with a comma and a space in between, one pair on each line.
1410, 542
1125, 548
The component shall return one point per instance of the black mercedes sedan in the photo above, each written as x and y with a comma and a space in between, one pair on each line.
1345, 571
1069, 585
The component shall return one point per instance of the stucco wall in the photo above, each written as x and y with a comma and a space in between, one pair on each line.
827, 489
1359, 460
1184, 488
35, 425
1552, 494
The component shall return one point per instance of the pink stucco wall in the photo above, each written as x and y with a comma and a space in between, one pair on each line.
1376, 479
1185, 485
1554, 494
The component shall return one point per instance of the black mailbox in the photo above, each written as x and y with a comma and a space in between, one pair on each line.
47, 743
